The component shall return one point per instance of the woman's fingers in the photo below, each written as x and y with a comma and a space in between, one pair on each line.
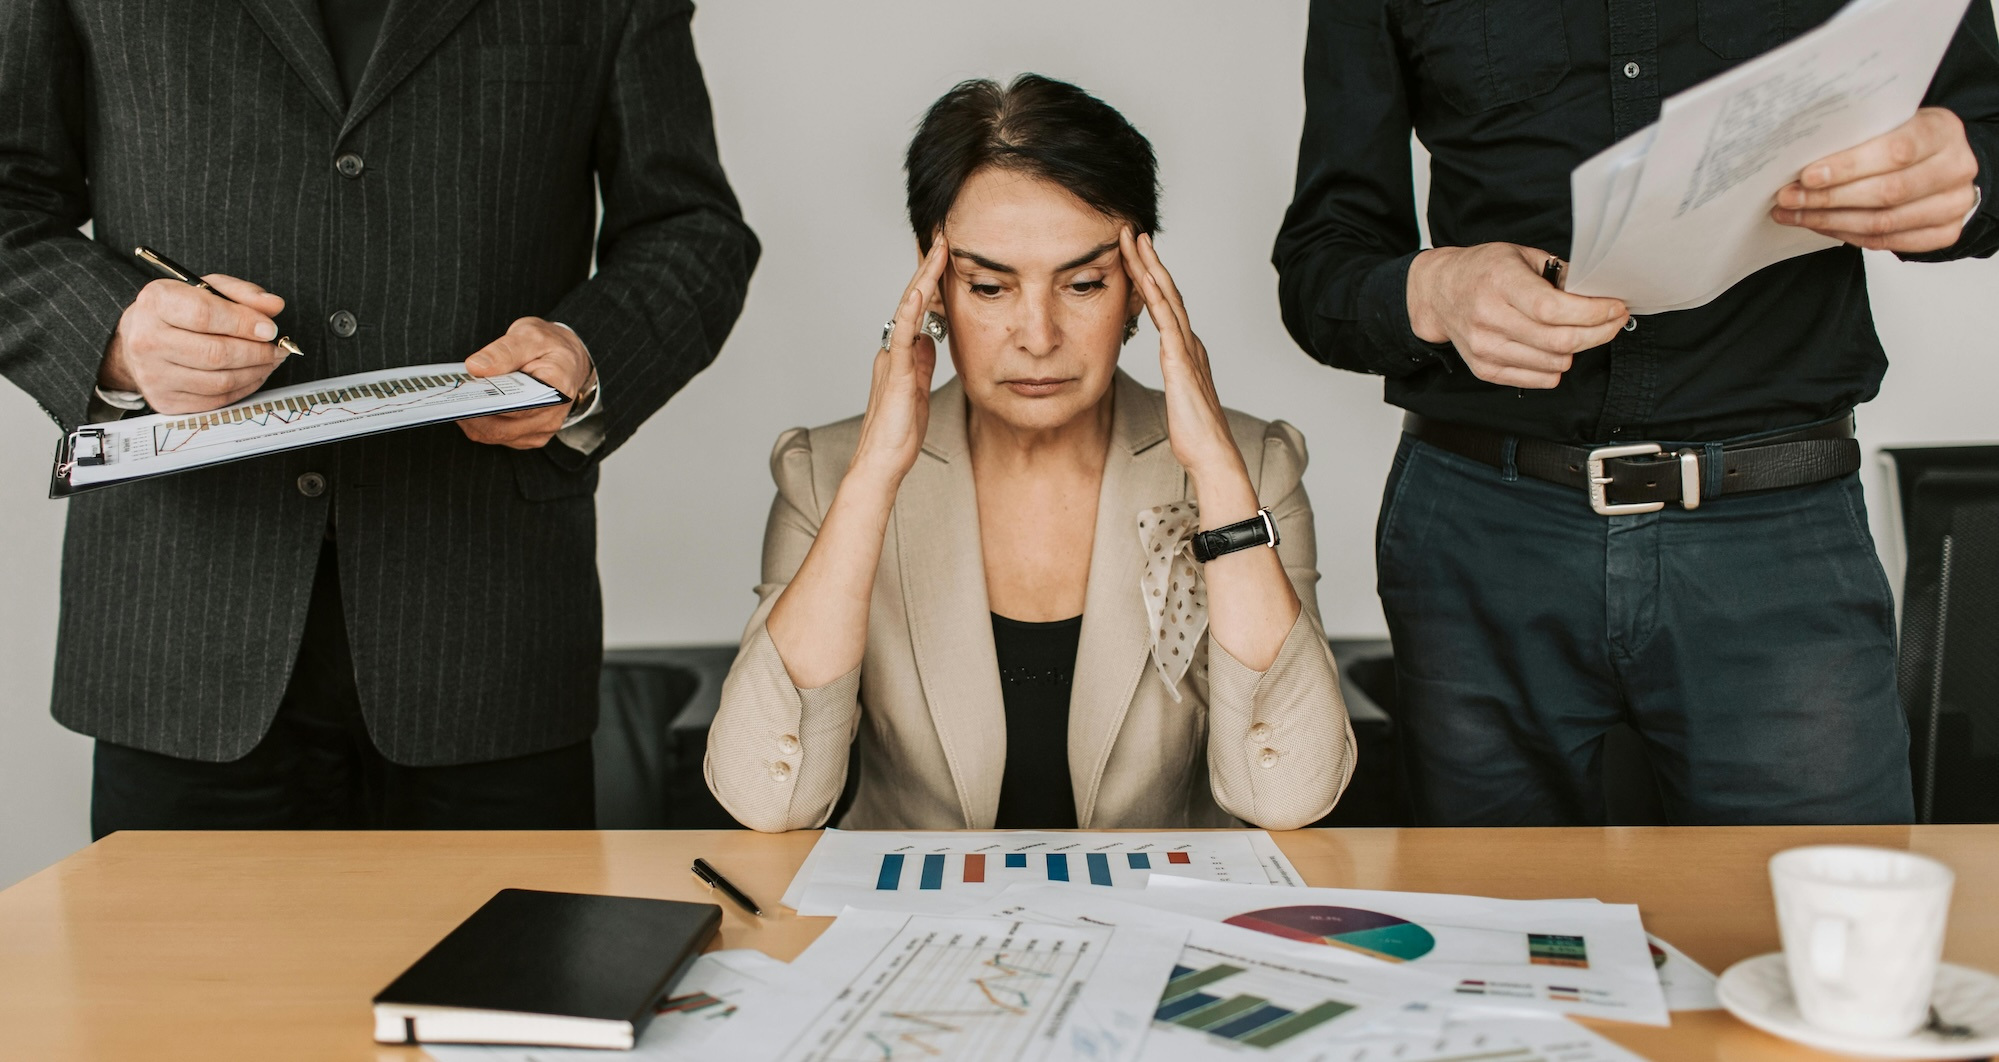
1164, 279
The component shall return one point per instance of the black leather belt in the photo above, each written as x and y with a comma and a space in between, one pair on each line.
1643, 477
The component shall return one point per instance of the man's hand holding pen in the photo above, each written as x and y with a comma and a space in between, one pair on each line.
188, 351
549, 353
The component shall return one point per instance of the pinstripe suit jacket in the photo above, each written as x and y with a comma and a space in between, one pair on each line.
1273, 747
210, 129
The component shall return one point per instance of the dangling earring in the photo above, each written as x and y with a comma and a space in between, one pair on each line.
934, 326
1131, 328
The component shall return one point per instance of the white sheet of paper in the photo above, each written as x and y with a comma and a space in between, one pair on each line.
942, 872
1699, 218
1687, 984
1487, 1039
307, 414
1232, 990
1549, 956
701, 1003
881, 985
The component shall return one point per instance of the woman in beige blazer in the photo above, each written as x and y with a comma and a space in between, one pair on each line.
993, 587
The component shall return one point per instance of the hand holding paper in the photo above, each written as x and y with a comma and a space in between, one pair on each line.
1910, 189
1512, 327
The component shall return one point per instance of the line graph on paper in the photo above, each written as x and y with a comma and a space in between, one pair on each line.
975, 997
290, 417
353, 401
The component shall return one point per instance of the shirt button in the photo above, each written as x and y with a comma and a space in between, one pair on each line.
780, 772
349, 165
312, 484
1631, 324
1260, 733
1267, 759
787, 744
344, 324
1631, 70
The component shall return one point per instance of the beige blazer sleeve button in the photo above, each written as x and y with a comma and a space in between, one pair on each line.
1260, 733
780, 772
1268, 758
788, 744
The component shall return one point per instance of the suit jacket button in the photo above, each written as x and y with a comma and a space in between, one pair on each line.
349, 165
1267, 759
787, 744
780, 772
312, 484
344, 324
1260, 733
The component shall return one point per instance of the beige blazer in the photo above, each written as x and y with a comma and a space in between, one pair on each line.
1273, 748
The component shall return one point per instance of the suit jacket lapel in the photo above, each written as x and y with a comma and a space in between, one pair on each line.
944, 594
1139, 472
410, 31
293, 26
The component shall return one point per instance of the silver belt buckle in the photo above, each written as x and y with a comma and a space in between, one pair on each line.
1599, 484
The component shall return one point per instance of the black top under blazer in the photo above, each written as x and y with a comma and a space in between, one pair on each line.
213, 130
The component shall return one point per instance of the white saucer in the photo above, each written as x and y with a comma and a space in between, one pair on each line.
1758, 991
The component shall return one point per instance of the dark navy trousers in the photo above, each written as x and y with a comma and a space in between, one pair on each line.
1750, 642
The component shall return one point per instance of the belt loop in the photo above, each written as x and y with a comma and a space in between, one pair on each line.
1509, 469
1716, 472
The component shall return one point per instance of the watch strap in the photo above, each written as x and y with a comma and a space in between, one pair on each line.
1258, 530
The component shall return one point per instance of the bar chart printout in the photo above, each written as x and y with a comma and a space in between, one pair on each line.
942, 872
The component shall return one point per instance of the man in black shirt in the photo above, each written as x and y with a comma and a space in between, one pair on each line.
1721, 592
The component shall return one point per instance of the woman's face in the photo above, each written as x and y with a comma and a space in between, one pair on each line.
1036, 297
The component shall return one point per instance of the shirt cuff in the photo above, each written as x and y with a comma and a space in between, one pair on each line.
583, 431
107, 404
1394, 348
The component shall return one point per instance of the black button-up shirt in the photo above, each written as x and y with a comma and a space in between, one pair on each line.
1509, 96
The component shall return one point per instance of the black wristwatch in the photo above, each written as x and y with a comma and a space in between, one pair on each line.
1258, 530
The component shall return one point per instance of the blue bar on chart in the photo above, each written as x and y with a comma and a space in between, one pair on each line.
1016, 859
933, 872
1100, 868
891, 874
1058, 867
1139, 860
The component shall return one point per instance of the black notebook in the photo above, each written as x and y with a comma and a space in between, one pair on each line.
547, 968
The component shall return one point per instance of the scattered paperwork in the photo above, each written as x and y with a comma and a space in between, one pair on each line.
1674, 215
880, 985
1551, 956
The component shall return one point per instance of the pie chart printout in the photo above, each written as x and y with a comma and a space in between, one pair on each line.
1368, 932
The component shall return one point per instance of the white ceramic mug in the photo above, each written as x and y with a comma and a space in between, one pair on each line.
1863, 933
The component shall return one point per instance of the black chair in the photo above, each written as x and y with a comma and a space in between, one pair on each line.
652, 732
1944, 508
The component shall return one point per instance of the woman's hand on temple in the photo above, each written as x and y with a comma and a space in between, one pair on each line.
899, 398
1195, 423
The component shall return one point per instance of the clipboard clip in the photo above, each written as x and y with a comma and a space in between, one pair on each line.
84, 446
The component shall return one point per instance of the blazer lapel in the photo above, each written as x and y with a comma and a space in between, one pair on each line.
410, 31
1139, 472
943, 575
293, 26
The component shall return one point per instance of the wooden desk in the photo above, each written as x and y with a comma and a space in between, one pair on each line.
268, 946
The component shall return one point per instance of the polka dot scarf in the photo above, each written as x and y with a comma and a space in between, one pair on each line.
1176, 600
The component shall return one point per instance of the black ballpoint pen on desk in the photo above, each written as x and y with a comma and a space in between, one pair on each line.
178, 272
713, 879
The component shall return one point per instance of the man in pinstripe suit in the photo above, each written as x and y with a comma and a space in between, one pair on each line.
396, 631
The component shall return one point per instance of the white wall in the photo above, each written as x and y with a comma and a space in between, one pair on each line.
814, 104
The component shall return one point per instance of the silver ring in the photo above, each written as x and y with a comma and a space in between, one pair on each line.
934, 326
888, 333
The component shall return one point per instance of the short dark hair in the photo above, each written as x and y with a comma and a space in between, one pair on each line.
1038, 126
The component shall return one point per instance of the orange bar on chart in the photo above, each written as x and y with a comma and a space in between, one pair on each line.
1177, 857
975, 868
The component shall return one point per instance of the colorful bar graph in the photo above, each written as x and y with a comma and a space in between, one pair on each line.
1250, 1020
1284, 1028
975, 867
1016, 859
933, 872
1178, 857
1139, 860
1100, 868
890, 878
1058, 867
